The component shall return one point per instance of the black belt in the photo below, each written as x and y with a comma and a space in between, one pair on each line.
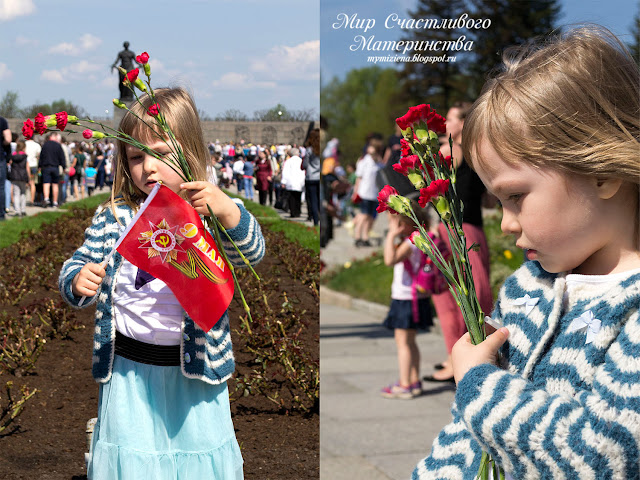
141, 352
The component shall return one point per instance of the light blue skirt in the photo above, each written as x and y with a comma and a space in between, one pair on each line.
154, 423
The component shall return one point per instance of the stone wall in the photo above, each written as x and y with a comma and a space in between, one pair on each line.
255, 132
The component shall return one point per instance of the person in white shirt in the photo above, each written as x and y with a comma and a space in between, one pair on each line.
32, 149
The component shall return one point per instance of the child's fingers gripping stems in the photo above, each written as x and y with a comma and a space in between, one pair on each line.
466, 355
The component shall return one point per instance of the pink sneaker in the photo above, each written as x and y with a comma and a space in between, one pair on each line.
396, 391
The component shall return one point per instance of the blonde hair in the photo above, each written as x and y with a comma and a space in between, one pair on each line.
571, 104
182, 117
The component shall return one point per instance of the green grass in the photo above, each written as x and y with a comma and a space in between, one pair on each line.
370, 279
11, 229
306, 236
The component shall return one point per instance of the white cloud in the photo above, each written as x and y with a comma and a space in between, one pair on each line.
4, 71
299, 62
10, 9
85, 43
240, 81
76, 71
22, 41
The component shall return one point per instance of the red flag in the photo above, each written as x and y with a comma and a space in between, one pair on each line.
167, 239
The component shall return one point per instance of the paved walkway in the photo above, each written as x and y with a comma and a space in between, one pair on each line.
364, 436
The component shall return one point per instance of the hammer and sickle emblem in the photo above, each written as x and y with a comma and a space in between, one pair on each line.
163, 240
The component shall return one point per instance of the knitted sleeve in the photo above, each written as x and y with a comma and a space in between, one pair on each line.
247, 236
91, 251
455, 454
591, 433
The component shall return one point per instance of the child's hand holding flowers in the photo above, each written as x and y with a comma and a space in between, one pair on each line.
465, 355
203, 195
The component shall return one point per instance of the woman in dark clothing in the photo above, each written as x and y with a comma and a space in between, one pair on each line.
264, 175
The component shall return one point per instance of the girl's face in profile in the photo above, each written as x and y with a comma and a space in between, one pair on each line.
558, 218
146, 170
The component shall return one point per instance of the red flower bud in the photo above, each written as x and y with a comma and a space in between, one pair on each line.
40, 126
27, 129
133, 75
422, 113
87, 134
436, 189
153, 110
405, 148
383, 199
61, 120
142, 58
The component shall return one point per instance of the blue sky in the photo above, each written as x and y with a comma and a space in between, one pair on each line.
241, 54
337, 59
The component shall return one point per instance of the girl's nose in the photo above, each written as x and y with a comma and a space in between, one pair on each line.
509, 224
149, 164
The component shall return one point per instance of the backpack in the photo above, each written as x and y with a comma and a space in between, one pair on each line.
427, 278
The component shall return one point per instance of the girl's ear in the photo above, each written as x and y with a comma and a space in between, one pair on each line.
608, 187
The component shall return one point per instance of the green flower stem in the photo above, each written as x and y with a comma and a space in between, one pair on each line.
215, 226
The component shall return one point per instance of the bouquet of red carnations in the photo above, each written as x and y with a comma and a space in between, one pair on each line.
435, 177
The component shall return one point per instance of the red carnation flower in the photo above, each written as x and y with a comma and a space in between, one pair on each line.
153, 110
435, 189
133, 75
405, 148
27, 129
422, 113
142, 58
88, 134
412, 162
445, 160
61, 120
40, 126
383, 199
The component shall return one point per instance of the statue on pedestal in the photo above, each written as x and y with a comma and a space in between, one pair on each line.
126, 58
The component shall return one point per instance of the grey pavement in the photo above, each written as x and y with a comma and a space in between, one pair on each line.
364, 436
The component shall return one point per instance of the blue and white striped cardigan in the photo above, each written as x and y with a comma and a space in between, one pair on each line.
558, 408
205, 356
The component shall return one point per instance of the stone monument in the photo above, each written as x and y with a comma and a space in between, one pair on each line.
126, 58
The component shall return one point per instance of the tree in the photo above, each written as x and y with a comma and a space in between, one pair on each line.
439, 81
204, 116
54, 107
231, 115
279, 113
365, 101
513, 22
9, 105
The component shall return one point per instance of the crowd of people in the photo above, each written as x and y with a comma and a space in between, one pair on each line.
284, 175
50, 173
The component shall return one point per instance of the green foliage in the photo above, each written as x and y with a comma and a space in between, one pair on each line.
10, 108
280, 113
365, 101
12, 228
513, 22
9, 105
368, 278
440, 82
231, 115
308, 237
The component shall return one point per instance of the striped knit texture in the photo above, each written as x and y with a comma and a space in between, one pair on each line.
557, 408
205, 356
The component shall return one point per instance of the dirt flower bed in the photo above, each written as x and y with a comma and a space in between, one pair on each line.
45, 352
